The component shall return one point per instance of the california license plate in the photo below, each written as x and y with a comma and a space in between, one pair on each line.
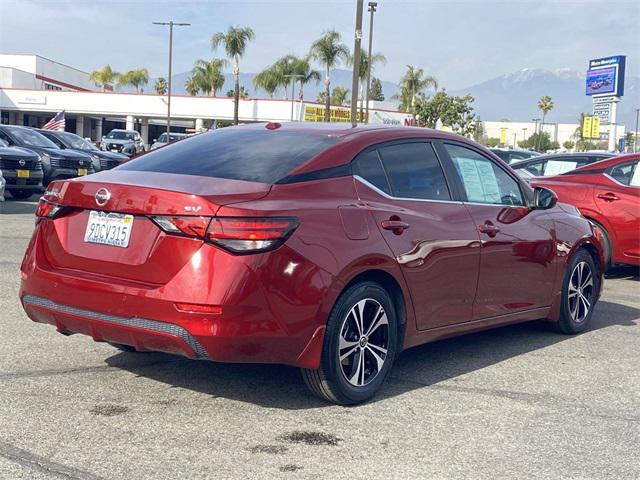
109, 229
22, 173
82, 171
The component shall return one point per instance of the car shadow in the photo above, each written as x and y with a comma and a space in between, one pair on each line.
17, 207
277, 386
626, 272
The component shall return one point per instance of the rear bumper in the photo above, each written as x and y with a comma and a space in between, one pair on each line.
267, 317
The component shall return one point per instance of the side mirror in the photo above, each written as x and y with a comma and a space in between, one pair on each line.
544, 198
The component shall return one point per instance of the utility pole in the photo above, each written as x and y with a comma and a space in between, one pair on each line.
372, 10
293, 86
171, 25
635, 139
356, 63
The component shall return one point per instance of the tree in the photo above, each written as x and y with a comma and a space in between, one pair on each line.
540, 141
493, 142
244, 93
306, 74
329, 51
376, 90
192, 86
235, 44
161, 86
104, 77
136, 78
365, 65
454, 112
569, 145
478, 131
207, 75
412, 86
339, 96
545, 104
268, 80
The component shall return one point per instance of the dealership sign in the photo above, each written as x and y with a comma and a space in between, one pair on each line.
602, 111
314, 113
606, 76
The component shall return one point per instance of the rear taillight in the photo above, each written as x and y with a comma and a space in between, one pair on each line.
238, 235
250, 235
47, 209
185, 226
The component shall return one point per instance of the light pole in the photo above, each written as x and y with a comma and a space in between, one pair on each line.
524, 134
635, 139
372, 10
293, 86
171, 25
356, 63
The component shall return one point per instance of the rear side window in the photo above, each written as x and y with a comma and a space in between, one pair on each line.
626, 174
235, 153
369, 167
414, 171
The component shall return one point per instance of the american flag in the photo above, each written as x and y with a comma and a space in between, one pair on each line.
56, 123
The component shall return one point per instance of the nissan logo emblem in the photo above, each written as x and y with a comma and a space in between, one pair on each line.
102, 197
22, 162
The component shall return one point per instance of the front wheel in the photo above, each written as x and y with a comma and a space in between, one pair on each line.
579, 293
360, 346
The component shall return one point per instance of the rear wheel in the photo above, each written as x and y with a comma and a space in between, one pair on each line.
360, 346
579, 293
21, 194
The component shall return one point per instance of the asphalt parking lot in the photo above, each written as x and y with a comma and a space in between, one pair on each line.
518, 402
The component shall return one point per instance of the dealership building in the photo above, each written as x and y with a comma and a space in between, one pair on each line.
33, 89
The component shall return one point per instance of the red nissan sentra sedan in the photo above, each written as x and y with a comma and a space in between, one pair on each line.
608, 194
329, 248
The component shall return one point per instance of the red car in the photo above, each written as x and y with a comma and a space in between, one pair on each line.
328, 248
608, 194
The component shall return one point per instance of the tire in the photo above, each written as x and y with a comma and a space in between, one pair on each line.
21, 194
579, 293
606, 244
367, 356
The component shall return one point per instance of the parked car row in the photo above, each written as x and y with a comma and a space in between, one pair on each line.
30, 158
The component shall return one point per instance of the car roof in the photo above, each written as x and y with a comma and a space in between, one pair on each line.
352, 140
608, 162
552, 156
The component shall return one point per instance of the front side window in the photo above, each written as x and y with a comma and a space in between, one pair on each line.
626, 174
484, 181
414, 171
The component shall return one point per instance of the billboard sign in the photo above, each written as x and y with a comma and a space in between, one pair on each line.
606, 76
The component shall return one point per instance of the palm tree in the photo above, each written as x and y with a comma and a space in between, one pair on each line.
339, 96
305, 74
365, 64
104, 76
192, 86
136, 78
161, 86
328, 50
208, 76
545, 104
412, 85
235, 43
268, 80
244, 93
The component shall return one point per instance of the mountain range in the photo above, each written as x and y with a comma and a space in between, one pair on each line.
513, 96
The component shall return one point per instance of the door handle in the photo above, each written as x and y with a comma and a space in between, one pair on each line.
489, 228
609, 197
396, 225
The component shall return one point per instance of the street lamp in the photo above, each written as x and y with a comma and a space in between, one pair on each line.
171, 25
356, 63
372, 10
293, 86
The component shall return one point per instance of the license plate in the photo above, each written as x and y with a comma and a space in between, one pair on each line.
109, 229
114, 150
23, 173
82, 171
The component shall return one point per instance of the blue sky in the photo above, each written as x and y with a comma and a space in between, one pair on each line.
461, 43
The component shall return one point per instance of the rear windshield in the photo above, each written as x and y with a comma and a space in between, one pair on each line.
235, 153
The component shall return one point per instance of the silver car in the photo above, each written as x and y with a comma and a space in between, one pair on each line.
128, 142
3, 182
161, 141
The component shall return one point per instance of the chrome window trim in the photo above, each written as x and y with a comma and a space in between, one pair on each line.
406, 199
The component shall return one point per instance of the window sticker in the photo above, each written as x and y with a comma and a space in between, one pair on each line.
479, 180
557, 167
